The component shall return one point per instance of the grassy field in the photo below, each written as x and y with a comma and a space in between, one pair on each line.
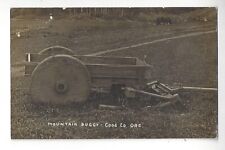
191, 61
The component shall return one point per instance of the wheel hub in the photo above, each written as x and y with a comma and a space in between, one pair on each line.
61, 87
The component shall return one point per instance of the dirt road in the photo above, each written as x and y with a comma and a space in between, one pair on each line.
153, 42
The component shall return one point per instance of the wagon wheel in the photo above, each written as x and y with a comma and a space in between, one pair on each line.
54, 50
60, 79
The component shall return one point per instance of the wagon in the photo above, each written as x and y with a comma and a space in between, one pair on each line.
58, 76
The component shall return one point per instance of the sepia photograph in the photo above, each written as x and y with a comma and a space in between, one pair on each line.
114, 73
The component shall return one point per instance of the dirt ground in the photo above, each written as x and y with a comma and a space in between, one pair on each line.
190, 60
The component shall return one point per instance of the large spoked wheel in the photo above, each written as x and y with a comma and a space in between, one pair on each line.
55, 50
60, 79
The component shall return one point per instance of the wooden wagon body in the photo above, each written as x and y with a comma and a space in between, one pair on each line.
100, 72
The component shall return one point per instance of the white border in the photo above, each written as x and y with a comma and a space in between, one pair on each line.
198, 144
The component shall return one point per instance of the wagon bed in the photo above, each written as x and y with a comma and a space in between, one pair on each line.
100, 72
